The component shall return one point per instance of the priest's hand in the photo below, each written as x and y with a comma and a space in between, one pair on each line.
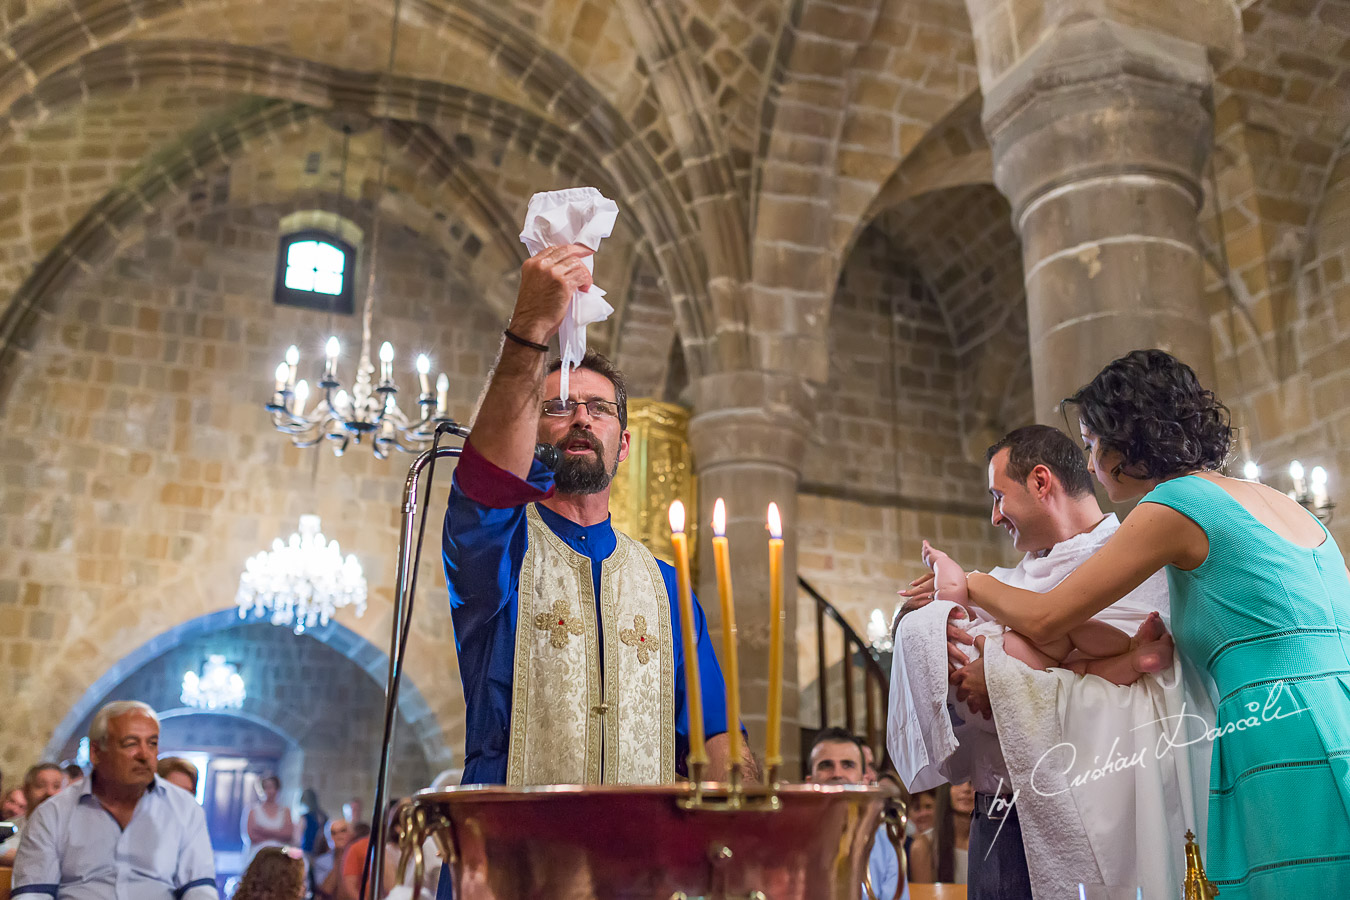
719, 760
971, 688
547, 282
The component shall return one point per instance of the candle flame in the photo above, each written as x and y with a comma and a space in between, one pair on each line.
677, 516
775, 523
719, 522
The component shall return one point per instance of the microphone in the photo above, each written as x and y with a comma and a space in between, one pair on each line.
545, 453
548, 455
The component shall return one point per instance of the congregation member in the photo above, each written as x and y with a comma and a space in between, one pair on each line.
326, 870
275, 873
178, 771
943, 853
836, 757
1260, 600
74, 774
529, 553
1021, 733
266, 823
89, 842
39, 783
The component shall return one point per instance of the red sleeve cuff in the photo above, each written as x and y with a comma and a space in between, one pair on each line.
488, 484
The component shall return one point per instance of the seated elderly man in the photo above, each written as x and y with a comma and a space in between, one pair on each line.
124, 832
42, 781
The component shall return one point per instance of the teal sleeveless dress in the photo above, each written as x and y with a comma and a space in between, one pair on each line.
1270, 622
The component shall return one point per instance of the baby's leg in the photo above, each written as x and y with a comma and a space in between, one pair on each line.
1099, 640
1150, 650
1035, 656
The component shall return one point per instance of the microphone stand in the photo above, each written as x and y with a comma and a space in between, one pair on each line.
405, 581
405, 589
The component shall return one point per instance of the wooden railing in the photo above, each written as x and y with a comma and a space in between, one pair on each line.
859, 661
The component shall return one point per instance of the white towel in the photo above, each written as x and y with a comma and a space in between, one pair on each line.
573, 216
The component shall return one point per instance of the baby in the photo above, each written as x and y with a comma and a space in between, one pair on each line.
1093, 648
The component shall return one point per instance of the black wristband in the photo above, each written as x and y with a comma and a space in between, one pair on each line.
533, 345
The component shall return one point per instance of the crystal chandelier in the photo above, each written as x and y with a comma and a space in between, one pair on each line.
879, 632
302, 582
220, 686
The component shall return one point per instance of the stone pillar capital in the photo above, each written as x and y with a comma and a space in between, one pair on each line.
752, 417
1100, 98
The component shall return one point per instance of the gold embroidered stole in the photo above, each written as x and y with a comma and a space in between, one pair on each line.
563, 731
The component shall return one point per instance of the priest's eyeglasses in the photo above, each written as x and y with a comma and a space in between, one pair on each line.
598, 409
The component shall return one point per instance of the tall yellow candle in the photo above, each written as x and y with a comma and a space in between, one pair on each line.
722, 560
693, 688
773, 753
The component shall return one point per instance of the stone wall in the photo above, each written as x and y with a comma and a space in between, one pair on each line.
321, 702
888, 468
140, 469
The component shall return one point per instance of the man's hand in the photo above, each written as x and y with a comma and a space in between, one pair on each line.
971, 688
547, 282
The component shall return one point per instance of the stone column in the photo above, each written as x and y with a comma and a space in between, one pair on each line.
748, 436
1099, 136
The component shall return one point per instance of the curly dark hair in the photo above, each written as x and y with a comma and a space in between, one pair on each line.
274, 874
1149, 406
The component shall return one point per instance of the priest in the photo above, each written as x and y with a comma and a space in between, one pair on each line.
567, 630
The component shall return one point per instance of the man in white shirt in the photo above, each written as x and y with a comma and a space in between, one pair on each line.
42, 781
125, 833
1043, 497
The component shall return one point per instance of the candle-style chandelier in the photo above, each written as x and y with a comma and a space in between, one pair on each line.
302, 582
371, 409
220, 686
1310, 489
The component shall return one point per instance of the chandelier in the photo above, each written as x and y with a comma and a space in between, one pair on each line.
302, 582
879, 632
1310, 488
220, 686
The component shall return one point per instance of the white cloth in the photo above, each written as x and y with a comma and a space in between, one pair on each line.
573, 216
1123, 827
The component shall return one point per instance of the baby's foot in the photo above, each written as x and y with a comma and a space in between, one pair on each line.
1152, 630
1153, 656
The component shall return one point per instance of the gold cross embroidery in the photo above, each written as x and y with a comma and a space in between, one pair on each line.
638, 637
555, 622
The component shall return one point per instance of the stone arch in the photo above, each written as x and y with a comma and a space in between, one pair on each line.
165, 178
413, 707
598, 146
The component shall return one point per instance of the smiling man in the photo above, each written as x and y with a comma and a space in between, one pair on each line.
567, 631
124, 832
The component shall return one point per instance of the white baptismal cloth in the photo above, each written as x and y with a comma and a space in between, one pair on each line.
1060, 739
573, 216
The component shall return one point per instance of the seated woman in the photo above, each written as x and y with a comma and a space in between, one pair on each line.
1260, 600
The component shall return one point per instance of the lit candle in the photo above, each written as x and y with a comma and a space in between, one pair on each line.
423, 368
722, 560
331, 351
1296, 473
442, 394
1319, 487
386, 362
283, 372
300, 398
292, 360
693, 688
773, 754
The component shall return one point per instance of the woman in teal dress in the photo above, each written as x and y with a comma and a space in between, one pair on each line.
1260, 601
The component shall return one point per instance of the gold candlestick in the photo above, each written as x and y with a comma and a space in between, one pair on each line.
773, 754
693, 689
722, 560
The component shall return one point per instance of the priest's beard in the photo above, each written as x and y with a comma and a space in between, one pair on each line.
583, 474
